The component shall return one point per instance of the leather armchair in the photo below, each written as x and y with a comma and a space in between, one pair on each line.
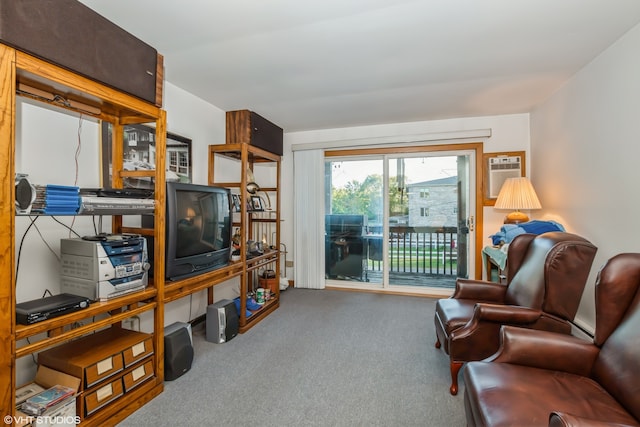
545, 280
540, 378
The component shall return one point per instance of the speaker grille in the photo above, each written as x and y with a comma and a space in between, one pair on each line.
178, 354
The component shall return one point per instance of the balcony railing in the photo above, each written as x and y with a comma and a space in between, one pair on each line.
422, 250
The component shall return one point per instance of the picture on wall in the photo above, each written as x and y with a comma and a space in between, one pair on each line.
140, 154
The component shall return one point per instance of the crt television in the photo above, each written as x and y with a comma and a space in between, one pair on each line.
198, 229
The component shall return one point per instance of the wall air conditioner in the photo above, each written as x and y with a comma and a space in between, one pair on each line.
500, 169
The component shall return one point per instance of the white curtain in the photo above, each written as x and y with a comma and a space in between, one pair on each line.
308, 177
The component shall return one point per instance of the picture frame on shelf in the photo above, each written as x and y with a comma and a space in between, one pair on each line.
256, 204
140, 154
235, 201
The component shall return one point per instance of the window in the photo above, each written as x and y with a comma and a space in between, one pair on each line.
172, 160
424, 212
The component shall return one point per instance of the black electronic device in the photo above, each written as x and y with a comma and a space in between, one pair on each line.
37, 310
248, 127
198, 229
70, 34
178, 354
133, 193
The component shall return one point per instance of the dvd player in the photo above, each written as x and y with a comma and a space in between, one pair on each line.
37, 310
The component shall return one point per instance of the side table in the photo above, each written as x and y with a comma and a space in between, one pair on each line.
495, 261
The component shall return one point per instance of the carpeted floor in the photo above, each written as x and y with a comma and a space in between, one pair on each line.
324, 358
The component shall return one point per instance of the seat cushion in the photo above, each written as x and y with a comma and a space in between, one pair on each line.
454, 313
451, 314
501, 394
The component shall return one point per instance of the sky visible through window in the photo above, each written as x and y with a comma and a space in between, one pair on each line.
417, 169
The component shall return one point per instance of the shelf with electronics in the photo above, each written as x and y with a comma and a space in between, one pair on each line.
69, 93
256, 220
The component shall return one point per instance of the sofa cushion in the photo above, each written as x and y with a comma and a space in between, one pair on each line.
502, 394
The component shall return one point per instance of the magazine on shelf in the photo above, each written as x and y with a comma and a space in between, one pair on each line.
39, 403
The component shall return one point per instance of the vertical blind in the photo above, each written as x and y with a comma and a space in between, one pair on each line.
308, 174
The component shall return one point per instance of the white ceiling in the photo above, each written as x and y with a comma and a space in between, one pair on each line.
315, 64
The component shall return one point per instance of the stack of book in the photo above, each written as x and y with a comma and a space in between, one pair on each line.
38, 404
56, 200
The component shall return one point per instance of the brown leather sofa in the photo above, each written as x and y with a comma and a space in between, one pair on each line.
538, 378
545, 279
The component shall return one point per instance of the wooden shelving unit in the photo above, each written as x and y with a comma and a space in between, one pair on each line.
250, 223
16, 69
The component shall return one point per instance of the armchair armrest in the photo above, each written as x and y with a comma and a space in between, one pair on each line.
506, 314
560, 419
545, 350
491, 316
480, 290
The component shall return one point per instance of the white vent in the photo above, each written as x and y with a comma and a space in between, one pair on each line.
500, 169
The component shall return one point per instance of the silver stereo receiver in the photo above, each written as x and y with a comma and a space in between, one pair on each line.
104, 266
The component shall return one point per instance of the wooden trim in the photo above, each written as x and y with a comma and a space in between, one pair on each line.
86, 90
159, 80
7, 219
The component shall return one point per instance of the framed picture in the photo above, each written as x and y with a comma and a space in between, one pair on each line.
235, 200
498, 167
140, 154
256, 204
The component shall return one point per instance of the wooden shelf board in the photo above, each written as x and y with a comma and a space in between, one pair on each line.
81, 330
94, 309
182, 288
257, 316
234, 151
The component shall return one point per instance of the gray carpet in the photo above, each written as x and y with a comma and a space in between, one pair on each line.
324, 358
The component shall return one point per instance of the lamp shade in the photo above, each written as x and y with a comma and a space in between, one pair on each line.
517, 194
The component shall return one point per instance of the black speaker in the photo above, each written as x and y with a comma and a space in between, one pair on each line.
73, 36
178, 354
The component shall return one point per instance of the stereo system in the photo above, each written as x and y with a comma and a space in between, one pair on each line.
73, 36
104, 266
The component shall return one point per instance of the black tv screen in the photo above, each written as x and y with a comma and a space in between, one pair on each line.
198, 227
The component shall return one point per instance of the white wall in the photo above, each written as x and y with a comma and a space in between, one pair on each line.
204, 124
585, 151
509, 133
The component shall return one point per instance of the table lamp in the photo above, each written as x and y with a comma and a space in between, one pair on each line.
517, 194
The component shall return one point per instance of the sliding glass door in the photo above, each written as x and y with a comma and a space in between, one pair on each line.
354, 215
399, 220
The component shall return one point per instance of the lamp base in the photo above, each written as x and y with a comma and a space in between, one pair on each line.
516, 217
